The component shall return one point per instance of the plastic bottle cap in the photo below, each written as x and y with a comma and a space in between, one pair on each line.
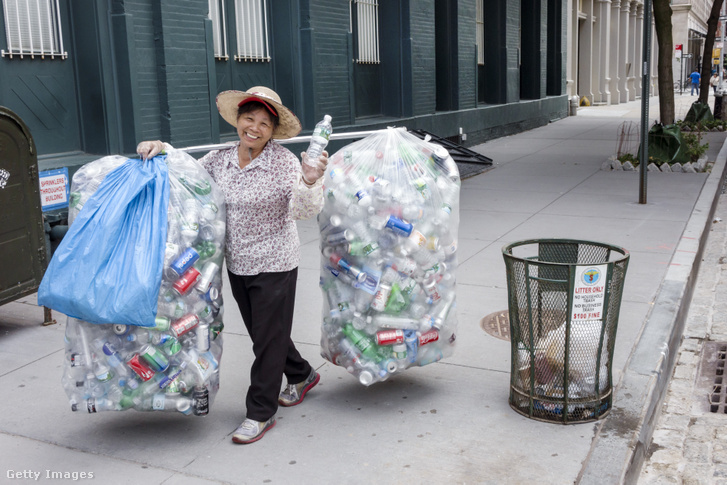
327, 118
366, 378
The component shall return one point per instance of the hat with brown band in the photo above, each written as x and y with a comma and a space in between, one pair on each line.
229, 101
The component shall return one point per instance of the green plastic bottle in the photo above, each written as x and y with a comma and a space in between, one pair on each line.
367, 346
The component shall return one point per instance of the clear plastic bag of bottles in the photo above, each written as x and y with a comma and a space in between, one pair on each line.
388, 255
174, 365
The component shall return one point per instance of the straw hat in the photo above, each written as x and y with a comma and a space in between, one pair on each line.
228, 102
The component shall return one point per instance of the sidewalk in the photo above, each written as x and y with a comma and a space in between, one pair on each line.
448, 422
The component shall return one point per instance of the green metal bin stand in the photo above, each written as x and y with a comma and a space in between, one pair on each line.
564, 298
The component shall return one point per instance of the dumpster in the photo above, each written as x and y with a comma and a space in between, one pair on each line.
23, 253
564, 298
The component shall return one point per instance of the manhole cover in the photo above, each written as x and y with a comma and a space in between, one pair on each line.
497, 324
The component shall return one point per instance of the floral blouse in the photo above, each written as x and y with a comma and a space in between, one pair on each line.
263, 201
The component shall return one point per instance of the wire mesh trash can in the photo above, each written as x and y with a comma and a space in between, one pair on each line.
564, 298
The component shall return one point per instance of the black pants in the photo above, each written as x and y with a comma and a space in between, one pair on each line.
266, 302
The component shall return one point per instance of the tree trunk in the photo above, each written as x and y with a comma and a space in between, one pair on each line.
662, 24
708, 46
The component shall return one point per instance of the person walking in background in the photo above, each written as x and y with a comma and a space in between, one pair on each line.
695, 77
714, 82
266, 190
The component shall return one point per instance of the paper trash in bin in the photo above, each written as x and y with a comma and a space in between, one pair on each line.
564, 298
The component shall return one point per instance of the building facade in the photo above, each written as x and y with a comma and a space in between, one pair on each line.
605, 48
605, 42
95, 77
689, 29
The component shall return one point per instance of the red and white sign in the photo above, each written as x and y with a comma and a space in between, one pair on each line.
589, 291
53, 189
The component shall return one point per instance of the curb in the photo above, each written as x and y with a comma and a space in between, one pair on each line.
623, 437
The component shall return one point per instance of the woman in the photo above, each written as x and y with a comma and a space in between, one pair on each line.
266, 189
714, 82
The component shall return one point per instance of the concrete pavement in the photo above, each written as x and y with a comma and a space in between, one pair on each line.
448, 422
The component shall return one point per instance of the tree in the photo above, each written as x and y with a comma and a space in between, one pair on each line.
662, 24
708, 46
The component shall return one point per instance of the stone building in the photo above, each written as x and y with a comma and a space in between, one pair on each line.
604, 50
605, 47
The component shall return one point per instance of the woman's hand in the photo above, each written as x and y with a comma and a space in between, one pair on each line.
311, 173
149, 149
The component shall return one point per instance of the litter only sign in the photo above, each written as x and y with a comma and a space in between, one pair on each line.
54, 189
589, 293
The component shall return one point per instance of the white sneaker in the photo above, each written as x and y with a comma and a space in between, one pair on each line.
251, 430
294, 393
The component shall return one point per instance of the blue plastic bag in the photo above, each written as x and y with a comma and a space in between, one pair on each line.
108, 267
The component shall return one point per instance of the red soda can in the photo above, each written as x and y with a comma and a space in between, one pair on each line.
141, 369
390, 337
428, 337
185, 283
184, 324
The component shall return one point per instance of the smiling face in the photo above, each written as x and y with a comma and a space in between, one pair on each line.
255, 127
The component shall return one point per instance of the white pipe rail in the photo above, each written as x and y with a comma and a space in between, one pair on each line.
298, 139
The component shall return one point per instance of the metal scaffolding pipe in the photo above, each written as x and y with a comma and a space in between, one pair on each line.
297, 139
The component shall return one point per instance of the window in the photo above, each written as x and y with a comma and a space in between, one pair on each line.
367, 27
480, 22
33, 27
219, 32
252, 30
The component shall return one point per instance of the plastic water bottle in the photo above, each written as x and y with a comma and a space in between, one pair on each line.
319, 139
389, 241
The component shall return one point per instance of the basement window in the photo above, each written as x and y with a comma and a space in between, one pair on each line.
33, 28
251, 19
367, 31
219, 31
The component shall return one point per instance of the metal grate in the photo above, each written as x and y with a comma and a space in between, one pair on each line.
459, 153
718, 396
219, 30
33, 28
480, 40
251, 18
367, 28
